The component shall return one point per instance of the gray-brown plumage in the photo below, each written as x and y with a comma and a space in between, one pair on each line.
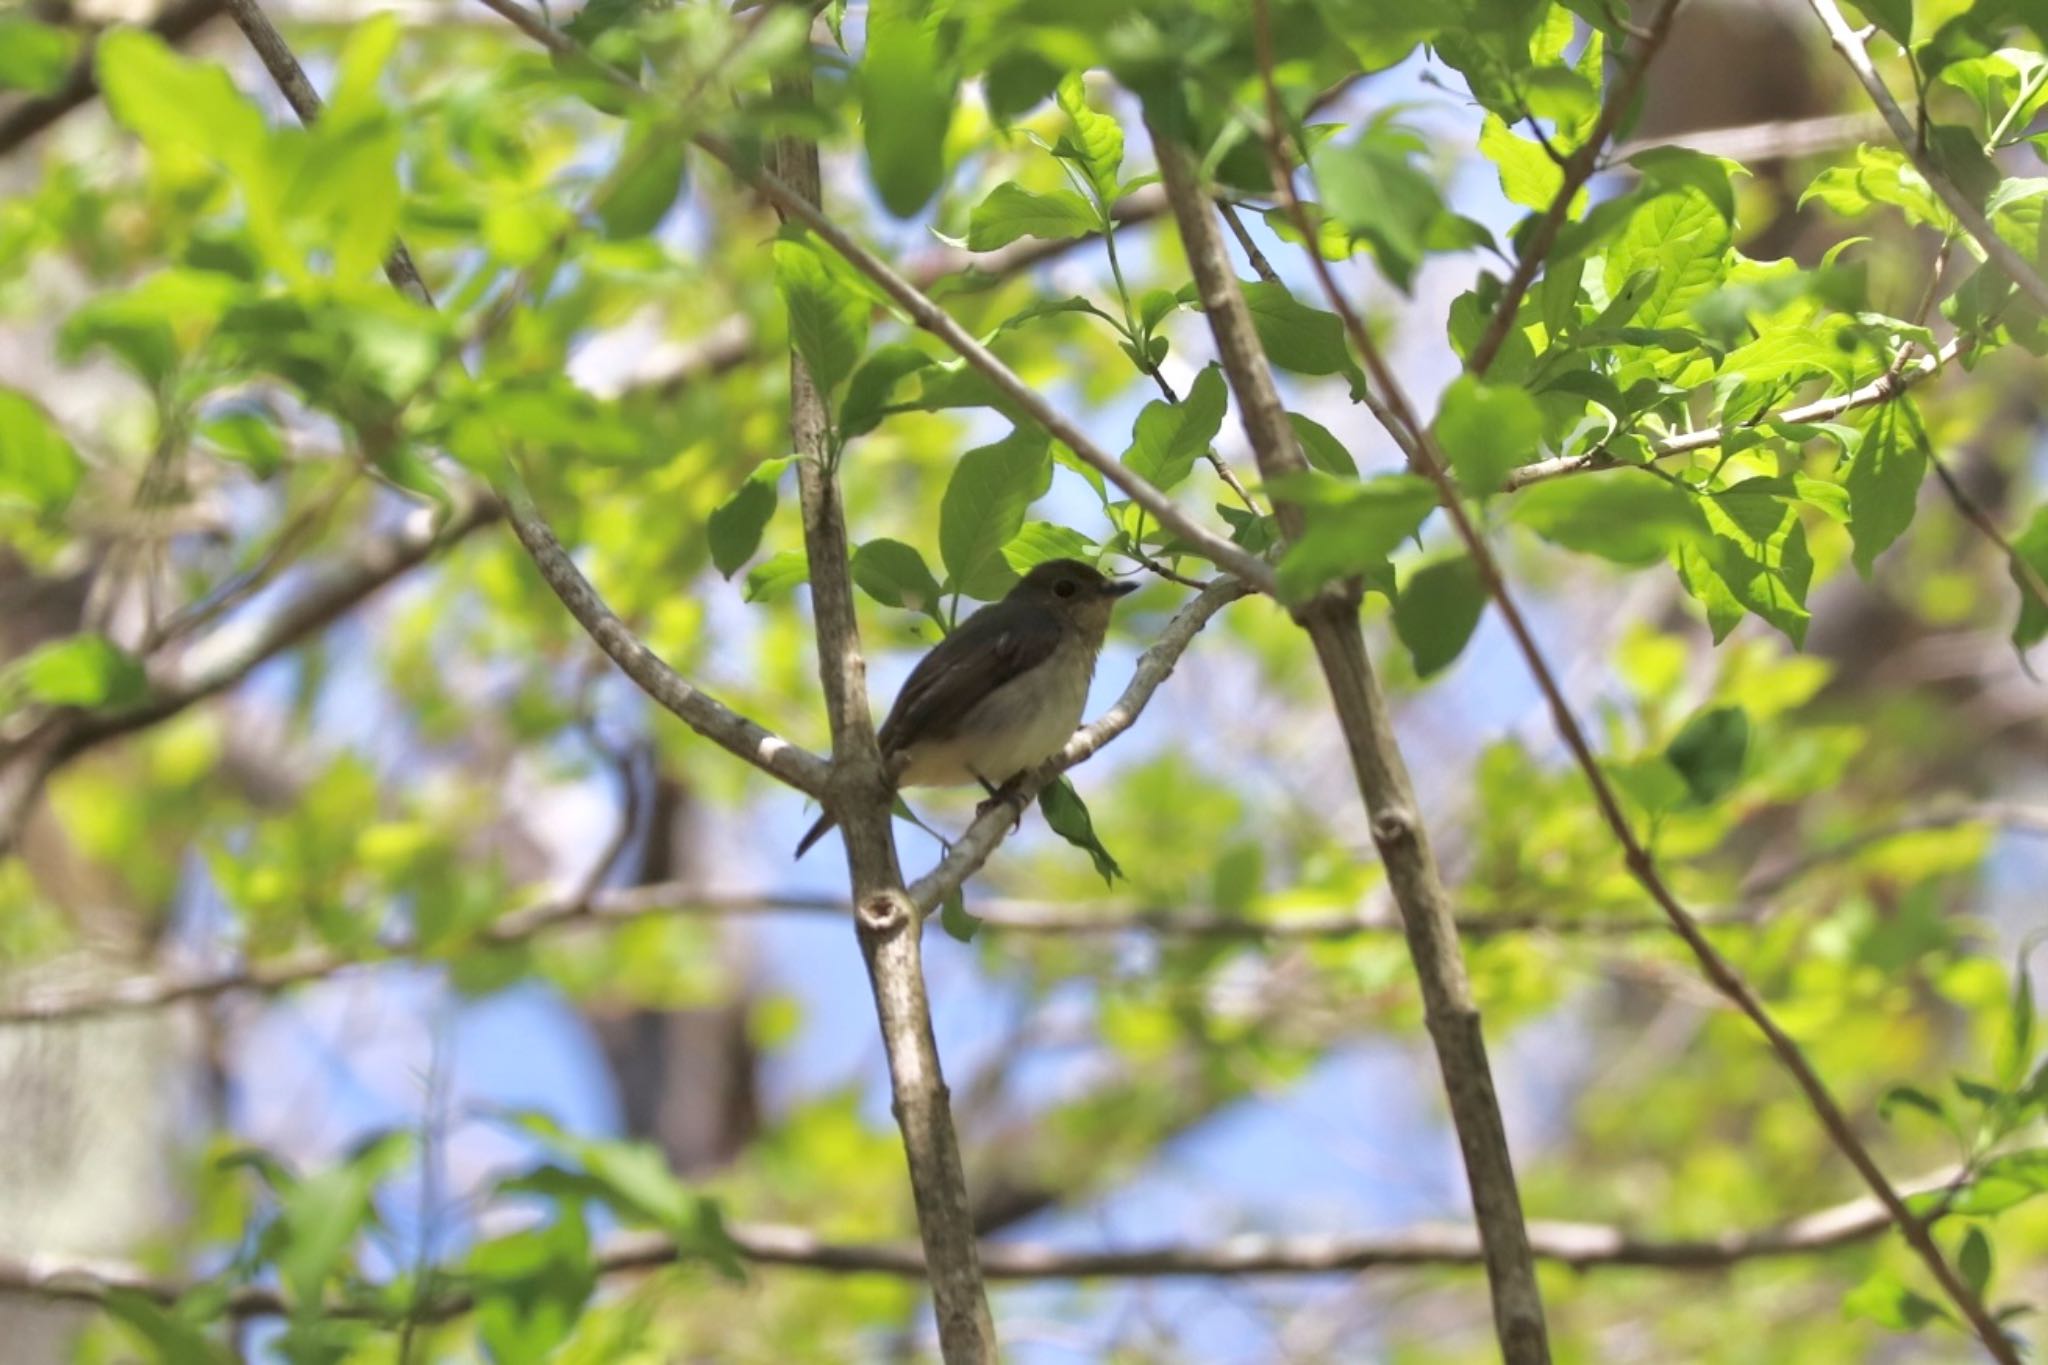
1004, 691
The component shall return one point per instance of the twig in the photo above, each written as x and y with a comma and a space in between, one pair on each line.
2010, 262
1756, 143
1578, 169
1882, 389
1428, 461
1332, 623
1581, 1246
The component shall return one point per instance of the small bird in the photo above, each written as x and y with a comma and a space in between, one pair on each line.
1003, 692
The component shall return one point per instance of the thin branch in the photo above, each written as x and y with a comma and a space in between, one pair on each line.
1154, 666
1578, 169
2023, 570
1427, 460
1580, 1246
24, 119
2015, 266
706, 715
1331, 620
1882, 389
861, 795
1756, 143
928, 315
232, 650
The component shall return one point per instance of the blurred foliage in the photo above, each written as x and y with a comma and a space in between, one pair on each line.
612, 318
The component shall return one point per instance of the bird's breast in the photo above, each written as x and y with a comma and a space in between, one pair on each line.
1016, 727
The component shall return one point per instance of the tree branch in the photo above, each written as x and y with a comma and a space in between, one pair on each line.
1581, 1246
1882, 389
928, 315
1850, 45
1427, 460
861, 796
1332, 623
1578, 169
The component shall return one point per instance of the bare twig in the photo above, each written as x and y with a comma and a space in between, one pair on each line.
1850, 44
1581, 1246
1578, 169
1756, 143
1332, 623
1427, 460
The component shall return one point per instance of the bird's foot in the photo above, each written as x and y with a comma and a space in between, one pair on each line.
1002, 796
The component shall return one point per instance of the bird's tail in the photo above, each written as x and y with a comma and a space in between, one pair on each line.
815, 833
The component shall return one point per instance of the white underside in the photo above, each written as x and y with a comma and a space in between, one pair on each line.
1022, 723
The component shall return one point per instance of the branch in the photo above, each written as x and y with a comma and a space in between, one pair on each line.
862, 795
1427, 460
1776, 140
24, 119
1155, 665
1580, 1246
1332, 623
1850, 45
1882, 389
1578, 169
228, 653
927, 315
706, 715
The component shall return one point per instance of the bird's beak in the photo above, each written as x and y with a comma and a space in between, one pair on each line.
1119, 587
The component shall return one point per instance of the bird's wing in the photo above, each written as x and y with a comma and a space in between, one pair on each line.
991, 647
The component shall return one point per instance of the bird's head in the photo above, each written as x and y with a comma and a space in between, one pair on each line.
1072, 590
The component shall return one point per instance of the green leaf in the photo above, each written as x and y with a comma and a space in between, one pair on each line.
1680, 237
1883, 481
906, 100
1371, 189
38, 468
1910, 1097
35, 58
178, 105
1168, 438
1624, 515
172, 1339
1437, 611
1880, 175
79, 670
639, 201
1352, 526
737, 523
896, 575
777, 576
324, 1213
531, 1287
828, 318
1893, 18
1758, 548
244, 437
1040, 541
1487, 430
2016, 1046
1069, 819
955, 920
1974, 1259
2030, 547
1709, 752
984, 507
1527, 174
1010, 212
1322, 450
1886, 1302
1097, 142
2003, 1182
874, 384
1295, 336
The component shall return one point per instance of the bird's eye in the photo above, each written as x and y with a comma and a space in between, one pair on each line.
1065, 587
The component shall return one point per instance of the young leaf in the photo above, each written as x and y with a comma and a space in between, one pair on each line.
1709, 752
984, 506
642, 198
1352, 526
1040, 541
874, 383
35, 58
1623, 515
828, 319
1884, 481
1437, 610
1069, 819
906, 100
1322, 450
1370, 188
1297, 337
38, 468
1010, 212
2030, 547
1168, 438
1097, 142
895, 575
955, 920
775, 577
1486, 430
737, 523
79, 670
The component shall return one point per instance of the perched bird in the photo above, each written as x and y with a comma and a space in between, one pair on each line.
1004, 691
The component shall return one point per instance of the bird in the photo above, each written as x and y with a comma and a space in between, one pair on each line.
1004, 691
